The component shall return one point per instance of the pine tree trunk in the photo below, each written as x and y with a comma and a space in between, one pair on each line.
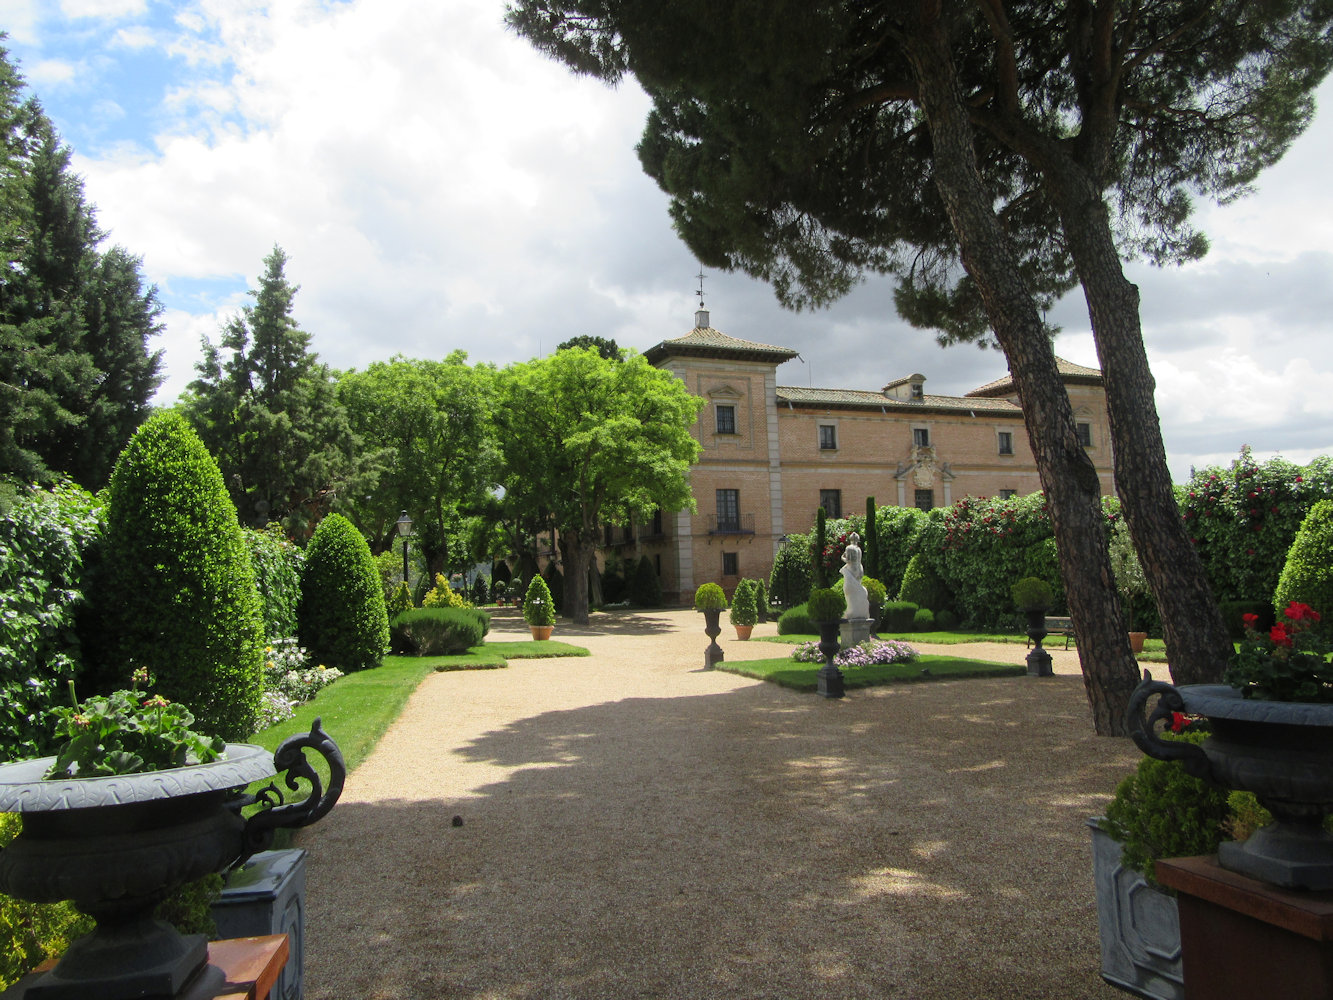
1197, 644
1067, 474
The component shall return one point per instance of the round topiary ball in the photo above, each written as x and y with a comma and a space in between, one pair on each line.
343, 621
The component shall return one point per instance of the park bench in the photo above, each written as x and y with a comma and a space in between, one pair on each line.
1058, 625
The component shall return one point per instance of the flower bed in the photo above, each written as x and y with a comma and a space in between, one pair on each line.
863, 654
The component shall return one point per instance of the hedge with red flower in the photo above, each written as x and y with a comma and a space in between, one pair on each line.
1288, 663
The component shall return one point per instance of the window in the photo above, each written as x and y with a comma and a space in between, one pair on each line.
728, 510
831, 501
918, 391
920, 437
1008, 494
656, 529
731, 564
1006, 442
828, 437
726, 418
657, 565
1084, 433
925, 499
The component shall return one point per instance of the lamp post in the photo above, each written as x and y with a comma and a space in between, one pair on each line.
404, 529
786, 569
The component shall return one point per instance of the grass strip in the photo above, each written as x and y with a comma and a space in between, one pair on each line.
803, 676
535, 649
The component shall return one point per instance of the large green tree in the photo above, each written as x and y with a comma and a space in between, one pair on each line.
76, 372
990, 155
587, 441
267, 408
432, 421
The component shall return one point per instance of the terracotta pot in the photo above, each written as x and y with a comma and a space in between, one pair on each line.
1136, 641
743, 631
541, 632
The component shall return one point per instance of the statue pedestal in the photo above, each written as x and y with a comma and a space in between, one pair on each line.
1247, 940
855, 630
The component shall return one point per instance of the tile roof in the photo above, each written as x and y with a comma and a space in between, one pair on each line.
1069, 371
866, 400
705, 342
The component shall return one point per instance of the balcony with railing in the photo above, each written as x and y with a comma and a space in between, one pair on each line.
734, 524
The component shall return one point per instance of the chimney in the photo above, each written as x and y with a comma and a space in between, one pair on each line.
701, 319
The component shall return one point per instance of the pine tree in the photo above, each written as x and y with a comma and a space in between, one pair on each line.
268, 411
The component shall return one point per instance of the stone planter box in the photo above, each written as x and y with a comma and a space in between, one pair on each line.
1138, 926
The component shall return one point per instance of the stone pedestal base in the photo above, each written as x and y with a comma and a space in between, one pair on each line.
1247, 940
855, 630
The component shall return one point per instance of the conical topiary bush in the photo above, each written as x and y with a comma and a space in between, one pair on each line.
343, 621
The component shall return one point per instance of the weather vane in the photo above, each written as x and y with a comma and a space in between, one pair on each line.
701, 286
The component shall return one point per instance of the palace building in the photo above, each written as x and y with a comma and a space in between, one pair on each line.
773, 454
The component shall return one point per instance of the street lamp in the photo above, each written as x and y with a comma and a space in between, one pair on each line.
786, 569
404, 529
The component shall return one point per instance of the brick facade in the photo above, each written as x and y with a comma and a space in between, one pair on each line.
772, 454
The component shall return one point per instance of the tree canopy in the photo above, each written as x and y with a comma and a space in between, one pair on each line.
76, 373
267, 409
587, 441
988, 155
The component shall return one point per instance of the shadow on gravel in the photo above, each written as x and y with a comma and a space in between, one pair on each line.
599, 623
906, 843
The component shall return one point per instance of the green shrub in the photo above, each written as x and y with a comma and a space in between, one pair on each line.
615, 588
790, 580
1307, 576
45, 538
277, 566
1031, 594
1161, 812
178, 592
897, 531
436, 631
343, 621
875, 591
826, 604
710, 597
743, 611
645, 590
538, 607
899, 616
797, 621
443, 596
399, 601
923, 620
922, 585
761, 601
945, 620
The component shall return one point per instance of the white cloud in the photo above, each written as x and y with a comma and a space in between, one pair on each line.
50, 72
19, 18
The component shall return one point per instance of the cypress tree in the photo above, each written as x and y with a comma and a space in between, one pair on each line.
178, 595
821, 540
870, 554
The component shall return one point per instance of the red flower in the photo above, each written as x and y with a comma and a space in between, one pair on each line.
1301, 612
1300, 479
1178, 721
1278, 633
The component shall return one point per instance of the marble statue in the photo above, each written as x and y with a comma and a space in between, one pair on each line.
858, 601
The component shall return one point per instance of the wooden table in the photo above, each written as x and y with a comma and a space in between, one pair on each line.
237, 969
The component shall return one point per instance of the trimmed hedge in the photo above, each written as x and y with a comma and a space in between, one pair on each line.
1308, 574
791, 579
438, 631
923, 620
645, 590
343, 621
899, 616
797, 621
178, 592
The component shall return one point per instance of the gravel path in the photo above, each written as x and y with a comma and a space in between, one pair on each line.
635, 826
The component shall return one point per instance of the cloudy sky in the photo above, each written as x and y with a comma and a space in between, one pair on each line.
439, 185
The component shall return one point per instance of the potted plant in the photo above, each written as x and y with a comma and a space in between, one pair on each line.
711, 599
1032, 595
1129, 578
1159, 811
826, 606
1271, 729
539, 609
744, 614
134, 805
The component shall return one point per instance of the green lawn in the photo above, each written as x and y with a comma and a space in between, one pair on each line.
802, 676
357, 709
1154, 650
